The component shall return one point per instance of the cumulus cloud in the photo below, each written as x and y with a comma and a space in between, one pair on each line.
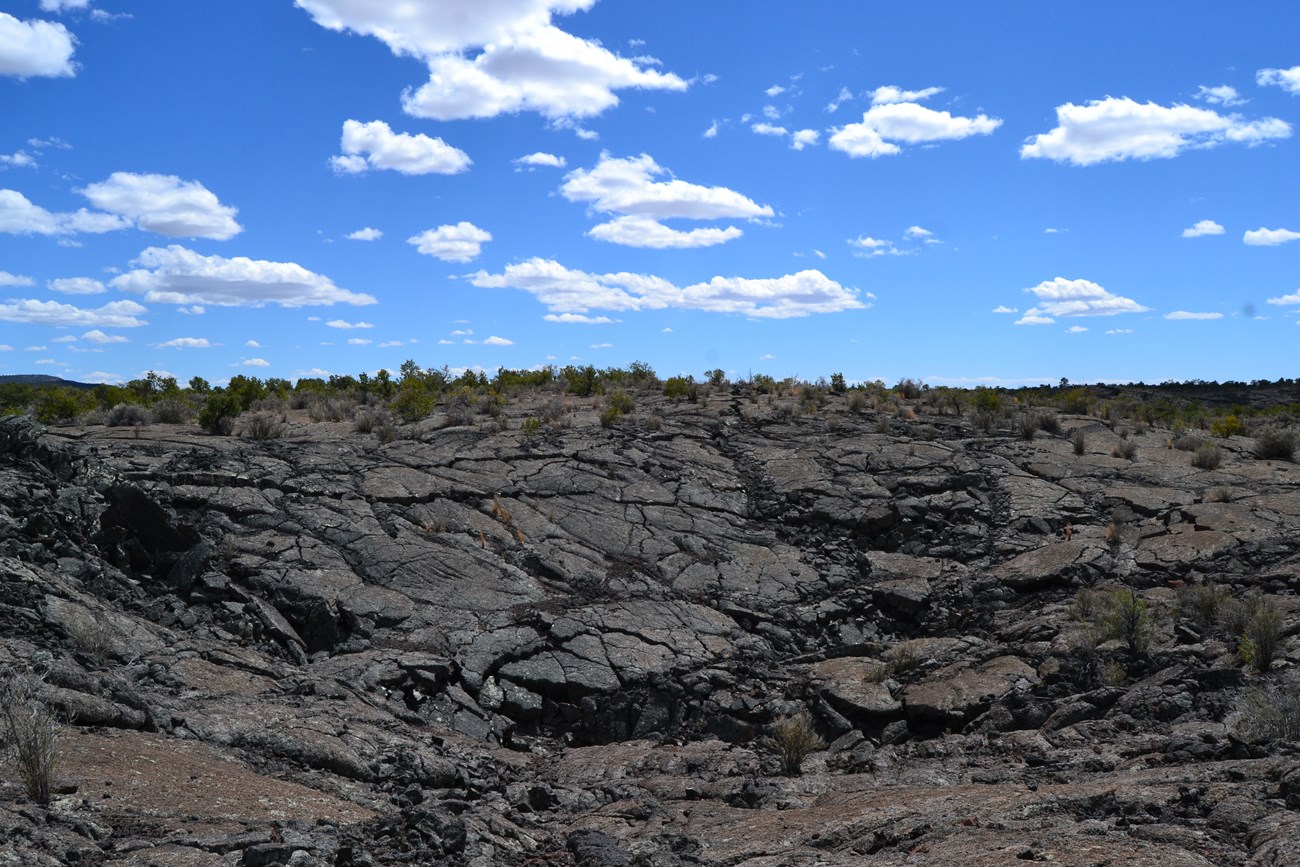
564, 290
77, 286
498, 341
1067, 298
800, 139
884, 126
347, 326
1285, 300
866, 246
7, 279
628, 187
359, 341
19, 216
1075, 329
185, 343
1225, 95
769, 129
541, 159
374, 145
459, 243
1262, 237
165, 204
115, 314
1116, 129
35, 48
1287, 79
177, 275
889, 94
1185, 314
1002, 308
97, 336
253, 362
366, 234
577, 318
18, 160
486, 59
1202, 227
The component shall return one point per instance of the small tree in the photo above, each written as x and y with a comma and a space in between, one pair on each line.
1129, 620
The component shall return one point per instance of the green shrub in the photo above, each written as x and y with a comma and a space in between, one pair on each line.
681, 387
610, 417
531, 427
62, 405
837, 383
1263, 636
1226, 426
1199, 604
716, 377
794, 739
1128, 619
622, 401
1277, 443
414, 401
218, 414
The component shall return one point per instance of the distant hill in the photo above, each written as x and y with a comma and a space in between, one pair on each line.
42, 379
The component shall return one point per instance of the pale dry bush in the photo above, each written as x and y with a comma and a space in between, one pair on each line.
31, 734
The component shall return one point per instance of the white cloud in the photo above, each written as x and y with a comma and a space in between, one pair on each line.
366, 234
165, 204
803, 138
115, 314
889, 94
844, 96
1262, 237
1121, 129
252, 344
61, 6
77, 286
1067, 298
253, 362
914, 233
771, 112
35, 48
186, 343
1202, 227
884, 125
177, 275
459, 243
7, 279
498, 341
487, 59
1075, 329
866, 246
374, 145
359, 341
1002, 308
97, 336
1225, 95
769, 129
192, 310
36, 349
388, 344
5, 347
19, 216
445, 342
347, 326
1119, 331
648, 233
18, 160
542, 159
67, 338
578, 318
602, 346
1287, 79
712, 131
1284, 300
627, 187
774, 91
1052, 230
564, 290
1184, 314
766, 356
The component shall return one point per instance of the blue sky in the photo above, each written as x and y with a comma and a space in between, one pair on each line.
1005, 192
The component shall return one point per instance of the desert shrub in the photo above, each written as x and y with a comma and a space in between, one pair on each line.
1125, 450
1220, 494
365, 421
681, 388
904, 657
260, 426
985, 421
531, 427
31, 734
127, 415
321, 408
1049, 423
58, 405
837, 383
610, 417
794, 739
1088, 605
1227, 425
1270, 713
1188, 443
1277, 443
622, 401
1079, 441
1262, 637
987, 400
218, 414
1128, 619
1199, 604
908, 389
654, 423
1207, 457
172, 411
1028, 425
857, 402
717, 376
1114, 673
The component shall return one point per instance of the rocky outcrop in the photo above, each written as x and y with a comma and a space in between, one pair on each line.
477, 646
